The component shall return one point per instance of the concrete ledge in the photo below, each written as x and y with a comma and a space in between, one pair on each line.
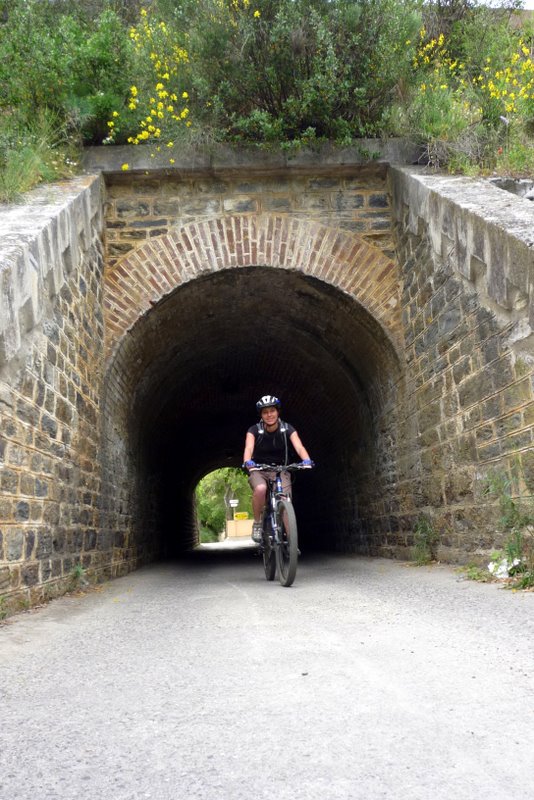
41, 242
225, 159
480, 231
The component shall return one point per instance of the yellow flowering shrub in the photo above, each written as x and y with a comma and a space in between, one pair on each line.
463, 107
158, 106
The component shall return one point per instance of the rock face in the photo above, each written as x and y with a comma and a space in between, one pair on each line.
143, 313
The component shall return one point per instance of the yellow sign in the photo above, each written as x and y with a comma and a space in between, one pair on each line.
240, 514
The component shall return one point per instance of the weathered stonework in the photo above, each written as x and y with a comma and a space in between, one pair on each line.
467, 260
140, 209
50, 390
390, 309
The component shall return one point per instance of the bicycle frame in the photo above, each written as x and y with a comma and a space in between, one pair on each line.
279, 544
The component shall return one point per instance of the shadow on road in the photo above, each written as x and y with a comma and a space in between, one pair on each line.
226, 553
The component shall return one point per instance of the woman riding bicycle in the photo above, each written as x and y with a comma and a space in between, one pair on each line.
267, 442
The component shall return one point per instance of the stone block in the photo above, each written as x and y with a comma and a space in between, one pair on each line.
474, 389
14, 546
132, 208
276, 204
49, 426
380, 200
22, 512
30, 574
240, 205
29, 544
5, 579
44, 545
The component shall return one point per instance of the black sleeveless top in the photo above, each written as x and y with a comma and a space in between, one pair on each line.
270, 448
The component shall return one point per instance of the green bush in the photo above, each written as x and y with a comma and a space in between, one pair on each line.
271, 72
517, 520
473, 100
77, 67
280, 70
426, 540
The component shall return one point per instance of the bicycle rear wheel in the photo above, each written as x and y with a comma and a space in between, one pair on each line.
269, 558
287, 550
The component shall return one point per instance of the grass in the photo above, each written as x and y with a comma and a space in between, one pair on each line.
475, 573
34, 152
426, 539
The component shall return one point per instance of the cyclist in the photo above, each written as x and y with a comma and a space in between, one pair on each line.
267, 442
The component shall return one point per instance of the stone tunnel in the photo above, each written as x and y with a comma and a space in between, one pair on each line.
144, 313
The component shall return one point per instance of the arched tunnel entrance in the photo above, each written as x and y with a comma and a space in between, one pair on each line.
185, 380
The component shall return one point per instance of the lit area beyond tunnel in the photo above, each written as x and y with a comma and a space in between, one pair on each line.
185, 381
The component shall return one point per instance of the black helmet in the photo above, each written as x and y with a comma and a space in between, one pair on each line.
268, 400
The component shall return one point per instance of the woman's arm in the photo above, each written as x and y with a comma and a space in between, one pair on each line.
299, 447
249, 447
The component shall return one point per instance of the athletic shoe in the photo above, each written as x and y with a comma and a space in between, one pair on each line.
256, 532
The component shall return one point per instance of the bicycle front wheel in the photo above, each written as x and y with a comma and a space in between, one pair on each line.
269, 558
287, 548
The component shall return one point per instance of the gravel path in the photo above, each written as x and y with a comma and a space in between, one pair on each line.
367, 679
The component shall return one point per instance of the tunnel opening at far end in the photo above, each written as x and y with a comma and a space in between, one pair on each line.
182, 390
223, 503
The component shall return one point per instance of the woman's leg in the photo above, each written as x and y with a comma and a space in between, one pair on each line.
258, 483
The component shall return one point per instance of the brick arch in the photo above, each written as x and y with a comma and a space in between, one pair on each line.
338, 257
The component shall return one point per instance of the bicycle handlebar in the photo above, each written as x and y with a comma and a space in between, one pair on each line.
280, 467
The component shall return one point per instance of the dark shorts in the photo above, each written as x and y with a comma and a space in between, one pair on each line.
257, 477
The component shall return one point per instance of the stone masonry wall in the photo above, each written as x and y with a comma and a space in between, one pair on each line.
463, 405
466, 255
139, 208
50, 384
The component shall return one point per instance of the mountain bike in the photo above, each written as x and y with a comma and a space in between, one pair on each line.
279, 545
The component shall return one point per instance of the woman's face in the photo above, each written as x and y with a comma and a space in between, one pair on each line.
270, 415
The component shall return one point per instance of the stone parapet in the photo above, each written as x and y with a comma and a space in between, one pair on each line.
482, 233
228, 159
464, 249
41, 243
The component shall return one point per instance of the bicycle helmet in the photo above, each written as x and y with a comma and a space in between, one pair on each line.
268, 400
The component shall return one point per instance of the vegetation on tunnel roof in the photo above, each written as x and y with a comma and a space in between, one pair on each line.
454, 76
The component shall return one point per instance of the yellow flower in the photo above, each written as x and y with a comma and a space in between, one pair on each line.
159, 87
257, 13
115, 113
125, 167
171, 160
184, 95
